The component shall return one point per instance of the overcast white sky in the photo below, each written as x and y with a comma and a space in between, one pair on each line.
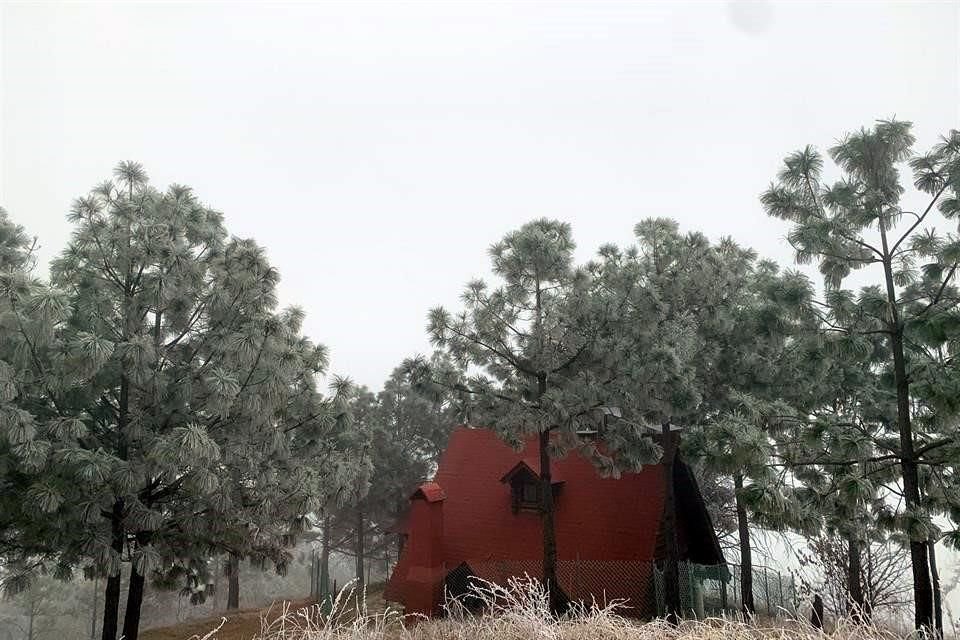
377, 150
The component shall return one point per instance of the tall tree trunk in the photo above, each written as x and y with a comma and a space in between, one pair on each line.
854, 580
215, 601
547, 525
746, 552
33, 614
549, 529
131, 616
111, 608
111, 594
94, 609
869, 595
922, 591
233, 582
358, 549
671, 572
324, 588
937, 595
111, 599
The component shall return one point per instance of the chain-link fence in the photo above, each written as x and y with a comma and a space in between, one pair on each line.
713, 590
592, 582
774, 593
705, 590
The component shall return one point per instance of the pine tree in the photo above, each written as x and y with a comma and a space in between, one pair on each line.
553, 347
409, 428
30, 536
858, 223
164, 373
833, 453
744, 314
406, 428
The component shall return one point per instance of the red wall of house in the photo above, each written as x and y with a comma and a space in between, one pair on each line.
597, 519
422, 564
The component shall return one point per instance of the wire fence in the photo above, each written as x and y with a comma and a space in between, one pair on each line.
705, 590
712, 590
774, 593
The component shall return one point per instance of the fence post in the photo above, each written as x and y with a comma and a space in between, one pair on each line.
766, 589
723, 594
734, 588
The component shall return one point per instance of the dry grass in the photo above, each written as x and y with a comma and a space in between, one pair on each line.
515, 612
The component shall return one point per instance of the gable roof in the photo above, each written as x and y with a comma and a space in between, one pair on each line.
531, 466
429, 491
703, 546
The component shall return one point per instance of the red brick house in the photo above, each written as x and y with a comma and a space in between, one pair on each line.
478, 517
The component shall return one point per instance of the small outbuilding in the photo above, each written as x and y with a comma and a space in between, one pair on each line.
479, 518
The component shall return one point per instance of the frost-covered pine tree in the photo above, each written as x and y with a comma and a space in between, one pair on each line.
861, 223
737, 314
408, 427
165, 373
28, 316
835, 453
551, 347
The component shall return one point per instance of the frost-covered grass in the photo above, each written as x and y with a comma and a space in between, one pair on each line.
519, 612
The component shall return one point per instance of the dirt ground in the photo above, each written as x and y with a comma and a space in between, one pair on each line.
244, 624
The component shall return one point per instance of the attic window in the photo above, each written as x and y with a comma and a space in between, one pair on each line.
525, 487
526, 494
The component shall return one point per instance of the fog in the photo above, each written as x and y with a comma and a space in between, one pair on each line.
377, 149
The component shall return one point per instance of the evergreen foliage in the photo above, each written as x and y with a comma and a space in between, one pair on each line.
859, 224
157, 407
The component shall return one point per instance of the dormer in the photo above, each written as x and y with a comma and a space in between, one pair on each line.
525, 486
